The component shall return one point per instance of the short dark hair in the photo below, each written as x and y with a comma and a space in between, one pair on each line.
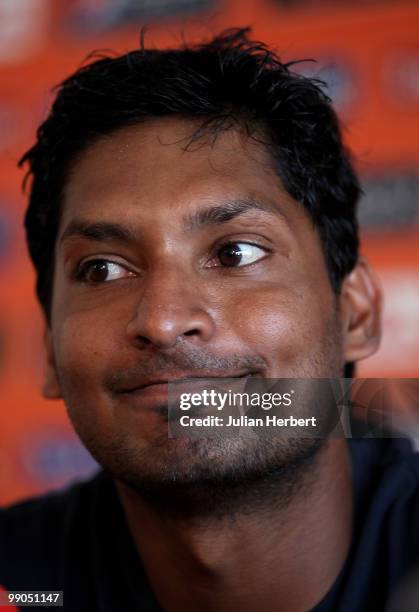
228, 81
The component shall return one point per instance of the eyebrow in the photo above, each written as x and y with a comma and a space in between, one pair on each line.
104, 231
228, 210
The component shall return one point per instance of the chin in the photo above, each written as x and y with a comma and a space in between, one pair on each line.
204, 475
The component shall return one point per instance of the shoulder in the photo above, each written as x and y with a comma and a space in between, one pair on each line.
48, 511
392, 459
386, 475
392, 463
35, 534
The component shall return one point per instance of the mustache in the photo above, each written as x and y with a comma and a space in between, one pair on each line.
183, 357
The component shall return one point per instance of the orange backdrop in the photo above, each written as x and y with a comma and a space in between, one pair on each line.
369, 54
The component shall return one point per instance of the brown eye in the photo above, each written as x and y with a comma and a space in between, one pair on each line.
238, 254
101, 271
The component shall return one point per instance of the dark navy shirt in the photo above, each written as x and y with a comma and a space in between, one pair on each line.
78, 541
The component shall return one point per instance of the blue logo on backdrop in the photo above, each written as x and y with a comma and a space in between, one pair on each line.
55, 457
338, 79
86, 16
5, 230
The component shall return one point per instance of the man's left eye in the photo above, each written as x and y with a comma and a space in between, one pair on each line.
238, 254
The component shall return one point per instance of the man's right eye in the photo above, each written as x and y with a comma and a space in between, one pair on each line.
96, 271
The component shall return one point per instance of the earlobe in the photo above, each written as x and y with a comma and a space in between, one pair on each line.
361, 303
51, 388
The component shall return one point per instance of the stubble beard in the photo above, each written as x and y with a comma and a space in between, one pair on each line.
213, 478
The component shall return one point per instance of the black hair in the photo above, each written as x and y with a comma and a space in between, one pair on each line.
228, 81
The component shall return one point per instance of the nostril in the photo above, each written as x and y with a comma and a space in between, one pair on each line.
191, 332
144, 340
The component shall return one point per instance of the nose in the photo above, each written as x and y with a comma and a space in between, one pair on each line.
170, 307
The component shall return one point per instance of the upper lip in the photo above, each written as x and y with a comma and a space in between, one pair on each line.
165, 379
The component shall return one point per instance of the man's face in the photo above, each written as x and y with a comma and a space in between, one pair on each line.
174, 263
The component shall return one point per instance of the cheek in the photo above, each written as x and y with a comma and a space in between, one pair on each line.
84, 344
85, 329
289, 329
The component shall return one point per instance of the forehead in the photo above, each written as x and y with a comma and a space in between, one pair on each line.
156, 169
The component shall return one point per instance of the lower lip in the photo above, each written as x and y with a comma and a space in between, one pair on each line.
156, 391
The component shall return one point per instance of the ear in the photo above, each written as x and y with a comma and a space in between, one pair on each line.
361, 304
51, 388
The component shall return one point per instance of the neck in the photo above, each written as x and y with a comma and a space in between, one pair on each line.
288, 554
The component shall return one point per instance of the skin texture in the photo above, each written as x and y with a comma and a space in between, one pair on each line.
170, 308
